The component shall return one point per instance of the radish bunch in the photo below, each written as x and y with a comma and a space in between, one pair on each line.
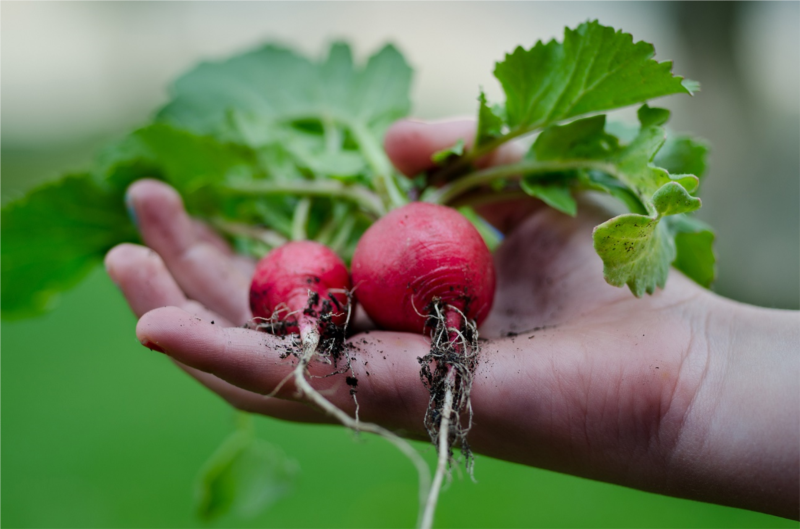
421, 268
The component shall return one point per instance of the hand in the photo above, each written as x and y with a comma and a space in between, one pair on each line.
682, 393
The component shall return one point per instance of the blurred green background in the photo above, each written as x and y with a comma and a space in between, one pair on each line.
100, 432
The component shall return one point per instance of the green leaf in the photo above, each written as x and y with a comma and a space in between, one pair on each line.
245, 476
273, 85
490, 122
628, 168
182, 159
556, 195
683, 155
54, 236
440, 157
652, 116
691, 86
273, 98
598, 181
582, 139
634, 167
595, 69
680, 154
694, 244
637, 249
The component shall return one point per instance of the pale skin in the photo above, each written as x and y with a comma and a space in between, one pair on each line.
682, 393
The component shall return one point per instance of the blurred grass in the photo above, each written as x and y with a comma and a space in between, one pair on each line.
101, 432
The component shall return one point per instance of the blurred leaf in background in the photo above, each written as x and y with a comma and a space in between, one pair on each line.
244, 477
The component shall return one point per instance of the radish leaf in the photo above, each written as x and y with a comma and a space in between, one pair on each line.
273, 85
596, 68
638, 249
556, 195
442, 156
694, 243
490, 122
244, 476
54, 236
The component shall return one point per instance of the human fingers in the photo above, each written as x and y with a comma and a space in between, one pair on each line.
146, 284
385, 369
144, 280
245, 264
203, 271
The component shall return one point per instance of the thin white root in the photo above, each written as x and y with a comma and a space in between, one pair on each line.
310, 339
444, 455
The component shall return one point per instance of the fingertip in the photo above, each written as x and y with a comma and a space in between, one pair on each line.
149, 186
160, 216
151, 194
114, 257
410, 143
399, 143
155, 326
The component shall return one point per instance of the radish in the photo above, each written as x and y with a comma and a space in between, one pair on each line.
425, 268
303, 287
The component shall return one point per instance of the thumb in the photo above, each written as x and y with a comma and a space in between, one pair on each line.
410, 144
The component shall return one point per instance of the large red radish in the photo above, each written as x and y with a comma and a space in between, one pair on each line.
417, 254
425, 268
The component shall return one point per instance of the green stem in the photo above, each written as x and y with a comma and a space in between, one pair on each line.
340, 211
332, 135
384, 180
366, 199
477, 152
268, 237
338, 242
449, 192
300, 219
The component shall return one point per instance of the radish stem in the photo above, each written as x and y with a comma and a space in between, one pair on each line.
300, 219
373, 152
271, 238
447, 193
367, 200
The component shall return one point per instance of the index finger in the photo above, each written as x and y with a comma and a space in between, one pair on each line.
384, 364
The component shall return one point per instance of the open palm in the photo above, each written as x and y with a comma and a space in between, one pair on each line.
576, 375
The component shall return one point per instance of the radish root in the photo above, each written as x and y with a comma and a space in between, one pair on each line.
310, 342
454, 355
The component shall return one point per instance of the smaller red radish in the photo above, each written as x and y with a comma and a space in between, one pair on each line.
303, 286
297, 284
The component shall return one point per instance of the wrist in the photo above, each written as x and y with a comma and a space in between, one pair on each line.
739, 440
